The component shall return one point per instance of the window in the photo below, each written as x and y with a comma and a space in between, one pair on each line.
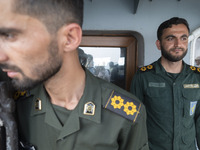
111, 57
194, 45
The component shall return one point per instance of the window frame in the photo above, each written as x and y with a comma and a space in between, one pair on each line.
192, 43
127, 41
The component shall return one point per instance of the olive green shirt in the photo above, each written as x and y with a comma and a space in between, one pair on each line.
107, 126
172, 104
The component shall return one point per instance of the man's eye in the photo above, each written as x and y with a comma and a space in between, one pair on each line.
7, 36
170, 38
184, 38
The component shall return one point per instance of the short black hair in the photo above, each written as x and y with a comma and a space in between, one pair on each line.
53, 13
169, 23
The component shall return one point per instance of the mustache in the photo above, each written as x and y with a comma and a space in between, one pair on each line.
178, 48
10, 67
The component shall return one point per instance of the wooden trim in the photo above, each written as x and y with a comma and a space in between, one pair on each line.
128, 42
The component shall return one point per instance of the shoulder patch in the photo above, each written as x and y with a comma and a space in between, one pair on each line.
20, 94
124, 106
195, 69
146, 68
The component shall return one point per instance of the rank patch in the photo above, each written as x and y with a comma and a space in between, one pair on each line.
19, 94
195, 69
146, 68
124, 106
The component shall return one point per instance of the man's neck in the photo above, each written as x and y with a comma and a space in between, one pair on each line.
172, 67
66, 89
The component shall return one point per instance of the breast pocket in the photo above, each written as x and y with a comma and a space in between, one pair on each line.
190, 99
158, 99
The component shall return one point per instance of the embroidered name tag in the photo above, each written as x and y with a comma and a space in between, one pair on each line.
190, 86
154, 84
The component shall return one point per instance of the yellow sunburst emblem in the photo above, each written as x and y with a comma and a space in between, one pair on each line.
19, 94
117, 102
130, 108
143, 69
149, 66
192, 67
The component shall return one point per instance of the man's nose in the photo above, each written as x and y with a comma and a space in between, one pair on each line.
177, 42
3, 56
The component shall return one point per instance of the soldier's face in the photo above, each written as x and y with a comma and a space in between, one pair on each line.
28, 53
174, 43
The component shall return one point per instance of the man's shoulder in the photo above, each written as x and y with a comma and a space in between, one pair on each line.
148, 68
193, 69
121, 102
20, 94
23, 99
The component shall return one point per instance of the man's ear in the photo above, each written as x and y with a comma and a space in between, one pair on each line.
158, 44
71, 36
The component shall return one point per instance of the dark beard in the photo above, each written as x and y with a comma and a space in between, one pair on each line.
171, 58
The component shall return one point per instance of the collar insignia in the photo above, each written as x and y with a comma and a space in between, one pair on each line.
38, 104
89, 109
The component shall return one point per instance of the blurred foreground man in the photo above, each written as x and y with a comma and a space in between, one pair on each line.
170, 90
67, 107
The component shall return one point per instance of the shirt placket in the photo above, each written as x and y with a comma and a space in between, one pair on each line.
178, 108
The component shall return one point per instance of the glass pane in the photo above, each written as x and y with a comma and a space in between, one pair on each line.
107, 63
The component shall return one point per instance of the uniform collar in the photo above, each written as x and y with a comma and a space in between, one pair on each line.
159, 69
92, 93
39, 93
